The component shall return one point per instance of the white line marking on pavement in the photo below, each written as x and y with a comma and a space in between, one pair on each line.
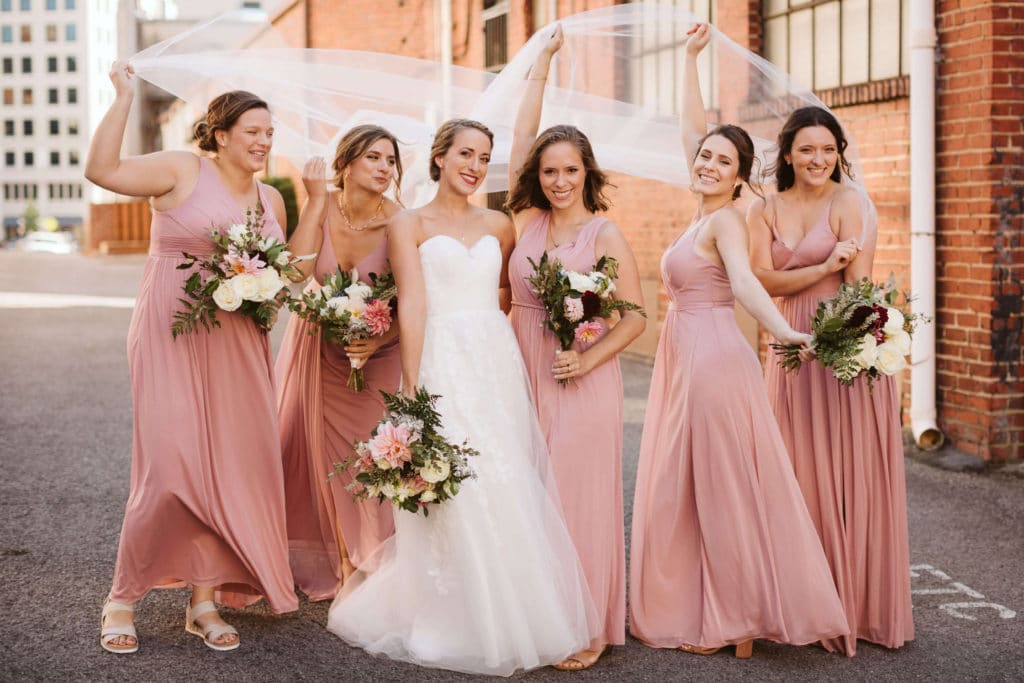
46, 300
955, 609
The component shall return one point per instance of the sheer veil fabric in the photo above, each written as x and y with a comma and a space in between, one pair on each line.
616, 78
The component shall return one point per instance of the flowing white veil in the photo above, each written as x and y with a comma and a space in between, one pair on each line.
616, 78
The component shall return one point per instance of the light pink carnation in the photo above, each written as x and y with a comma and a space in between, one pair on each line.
573, 309
419, 484
588, 332
377, 316
240, 264
391, 445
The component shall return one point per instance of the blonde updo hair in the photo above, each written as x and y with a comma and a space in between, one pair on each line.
222, 114
354, 145
444, 138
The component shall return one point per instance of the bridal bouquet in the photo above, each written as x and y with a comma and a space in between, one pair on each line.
347, 310
865, 328
249, 274
575, 301
406, 460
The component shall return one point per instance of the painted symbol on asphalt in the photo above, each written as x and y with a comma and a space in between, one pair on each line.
960, 610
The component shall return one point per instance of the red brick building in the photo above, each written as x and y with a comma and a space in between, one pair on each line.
856, 55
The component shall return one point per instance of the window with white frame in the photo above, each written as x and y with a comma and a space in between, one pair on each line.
826, 44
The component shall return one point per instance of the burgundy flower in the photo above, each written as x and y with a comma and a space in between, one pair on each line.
591, 304
860, 316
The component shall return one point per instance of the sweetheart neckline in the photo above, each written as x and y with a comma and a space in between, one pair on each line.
458, 242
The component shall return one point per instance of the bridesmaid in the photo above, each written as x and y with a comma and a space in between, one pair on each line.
723, 550
329, 531
206, 506
845, 442
555, 196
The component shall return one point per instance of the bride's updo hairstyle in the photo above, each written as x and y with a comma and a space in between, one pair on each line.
222, 114
354, 145
528, 192
807, 117
444, 138
740, 139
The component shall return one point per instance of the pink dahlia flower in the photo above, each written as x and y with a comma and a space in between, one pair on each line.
391, 445
377, 316
241, 264
588, 332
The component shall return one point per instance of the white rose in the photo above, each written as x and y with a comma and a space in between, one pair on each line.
890, 360
580, 282
283, 258
403, 491
388, 491
428, 496
900, 339
435, 471
226, 298
355, 307
373, 490
358, 290
269, 283
604, 284
236, 233
894, 321
327, 291
337, 303
868, 352
246, 287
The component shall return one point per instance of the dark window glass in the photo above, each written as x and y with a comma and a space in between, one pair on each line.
27, 128
9, 127
26, 65
51, 65
51, 96
54, 127
8, 65
8, 158
54, 158
72, 95
72, 65
73, 157
30, 159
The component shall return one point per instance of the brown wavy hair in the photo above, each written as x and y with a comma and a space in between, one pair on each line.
740, 139
444, 138
354, 145
222, 114
807, 117
528, 192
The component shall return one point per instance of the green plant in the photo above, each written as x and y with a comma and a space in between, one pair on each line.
286, 187
31, 218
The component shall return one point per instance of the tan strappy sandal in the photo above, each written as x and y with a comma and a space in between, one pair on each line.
210, 633
108, 634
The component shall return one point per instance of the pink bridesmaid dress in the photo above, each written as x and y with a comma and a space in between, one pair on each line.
722, 549
321, 418
582, 424
847, 453
206, 506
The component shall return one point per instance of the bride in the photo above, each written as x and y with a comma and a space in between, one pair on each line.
490, 582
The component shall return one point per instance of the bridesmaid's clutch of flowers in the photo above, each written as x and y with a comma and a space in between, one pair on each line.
574, 301
346, 310
406, 461
249, 274
864, 329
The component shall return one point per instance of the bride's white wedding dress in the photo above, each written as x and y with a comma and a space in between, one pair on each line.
490, 582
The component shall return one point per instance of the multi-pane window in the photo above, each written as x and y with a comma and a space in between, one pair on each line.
9, 127
495, 18
8, 95
5, 5
26, 65
54, 127
51, 5
69, 4
26, 95
8, 65
73, 157
26, 33
830, 43
51, 65
8, 159
73, 127
51, 33
54, 158
29, 159
72, 95
26, 5
72, 64
70, 32
7, 34
51, 96
26, 128
661, 49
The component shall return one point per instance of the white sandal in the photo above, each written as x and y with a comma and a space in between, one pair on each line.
108, 634
210, 633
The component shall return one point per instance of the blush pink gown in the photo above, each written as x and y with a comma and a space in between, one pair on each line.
321, 418
206, 505
722, 549
847, 453
582, 424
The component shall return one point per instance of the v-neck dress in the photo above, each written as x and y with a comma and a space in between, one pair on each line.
206, 505
321, 418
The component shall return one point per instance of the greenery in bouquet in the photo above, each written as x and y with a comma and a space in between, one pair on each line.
247, 274
406, 460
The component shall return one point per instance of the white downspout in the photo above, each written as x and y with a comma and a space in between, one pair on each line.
922, 222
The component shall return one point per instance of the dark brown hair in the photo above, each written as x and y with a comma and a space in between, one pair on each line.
744, 149
354, 145
222, 114
807, 117
528, 193
444, 138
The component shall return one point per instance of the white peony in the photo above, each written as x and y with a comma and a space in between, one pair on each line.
435, 471
868, 352
900, 339
403, 491
269, 283
357, 290
388, 491
428, 496
283, 258
890, 360
894, 321
246, 287
580, 282
226, 298
605, 285
236, 233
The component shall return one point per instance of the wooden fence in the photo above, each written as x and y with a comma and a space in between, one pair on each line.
118, 228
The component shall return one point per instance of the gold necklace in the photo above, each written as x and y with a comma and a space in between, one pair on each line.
575, 235
364, 226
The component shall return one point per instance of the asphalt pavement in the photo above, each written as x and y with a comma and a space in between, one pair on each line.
65, 440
